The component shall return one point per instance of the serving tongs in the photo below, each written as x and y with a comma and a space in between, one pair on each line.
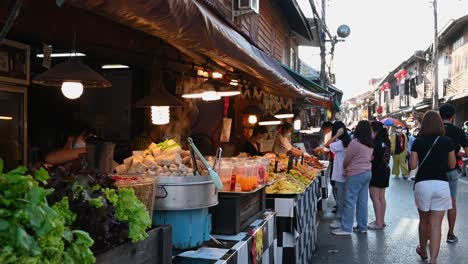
214, 176
217, 160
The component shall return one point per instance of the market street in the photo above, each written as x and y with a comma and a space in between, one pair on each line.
397, 243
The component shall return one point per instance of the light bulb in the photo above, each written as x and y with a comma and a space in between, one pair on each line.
211, 96
297, 124
284, 116
160, 115
252, 119
72, 90
269, 123
217, 75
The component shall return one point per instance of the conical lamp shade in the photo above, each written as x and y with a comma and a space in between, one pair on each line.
160, 97
283, 113
72, 71
268, 120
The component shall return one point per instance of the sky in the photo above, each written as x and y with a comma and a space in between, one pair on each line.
383, 34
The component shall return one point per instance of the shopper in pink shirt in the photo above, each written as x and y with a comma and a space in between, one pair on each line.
358, 172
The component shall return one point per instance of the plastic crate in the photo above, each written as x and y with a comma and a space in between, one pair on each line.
236, 211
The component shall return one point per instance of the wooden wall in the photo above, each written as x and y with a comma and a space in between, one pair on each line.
269, 29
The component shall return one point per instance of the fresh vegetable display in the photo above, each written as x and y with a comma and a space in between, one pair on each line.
33, 232
111, 216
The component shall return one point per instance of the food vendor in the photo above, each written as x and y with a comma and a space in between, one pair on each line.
283, 144
73, 148
252, 146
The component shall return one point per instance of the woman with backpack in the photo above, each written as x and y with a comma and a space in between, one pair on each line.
380, 173
432, 155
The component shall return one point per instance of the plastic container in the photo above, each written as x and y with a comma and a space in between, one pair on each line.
144, 187
226, 175
263, 170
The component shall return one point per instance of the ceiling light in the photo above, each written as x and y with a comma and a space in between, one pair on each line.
160, 115
71, 71
160, 101
211, 96
203, 73
283, 113
114, 66
6, 118
72, 90
217, 75
268, 120
297, 124
229, 93
252, 119
192, 95
62, 55
234, 83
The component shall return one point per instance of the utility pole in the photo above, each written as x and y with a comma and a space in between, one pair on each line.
435, 62
323, 58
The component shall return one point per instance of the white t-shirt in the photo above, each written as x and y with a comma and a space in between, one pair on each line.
339, 150
282, 145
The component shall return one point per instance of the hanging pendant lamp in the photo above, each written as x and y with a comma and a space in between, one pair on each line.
283, 114
268, 120
160, 101
72, 76
212, 90
253, 112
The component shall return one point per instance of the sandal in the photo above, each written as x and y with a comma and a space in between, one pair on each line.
418, 251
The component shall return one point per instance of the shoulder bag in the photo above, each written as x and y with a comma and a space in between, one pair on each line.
414, 172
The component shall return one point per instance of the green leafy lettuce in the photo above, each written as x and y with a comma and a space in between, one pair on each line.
129, 208
33, 232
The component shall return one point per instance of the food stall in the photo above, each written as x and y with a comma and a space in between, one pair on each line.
295, 197
138, 209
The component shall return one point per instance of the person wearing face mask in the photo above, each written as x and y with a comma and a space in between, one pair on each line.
283, 144
399, 144
252, 146
73, 148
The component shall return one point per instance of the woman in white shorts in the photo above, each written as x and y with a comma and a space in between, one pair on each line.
434, 154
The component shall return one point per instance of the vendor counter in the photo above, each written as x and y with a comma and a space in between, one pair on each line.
296, 223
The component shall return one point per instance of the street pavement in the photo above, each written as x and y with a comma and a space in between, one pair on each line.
397, 242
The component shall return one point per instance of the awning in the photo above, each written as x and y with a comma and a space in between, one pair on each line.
191, 27
317, 89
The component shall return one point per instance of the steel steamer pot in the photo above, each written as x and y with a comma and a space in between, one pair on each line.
184, 193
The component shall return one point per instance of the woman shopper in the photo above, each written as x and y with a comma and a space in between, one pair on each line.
357, 169
433, 153
338, 144
380, 173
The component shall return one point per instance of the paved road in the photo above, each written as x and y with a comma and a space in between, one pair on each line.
395, 244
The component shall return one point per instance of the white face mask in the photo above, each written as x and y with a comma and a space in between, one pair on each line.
79, 144
288, 134
398, 130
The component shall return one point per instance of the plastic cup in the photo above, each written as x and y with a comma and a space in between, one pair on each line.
226, 175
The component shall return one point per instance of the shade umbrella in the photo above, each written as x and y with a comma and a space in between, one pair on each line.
390, 121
